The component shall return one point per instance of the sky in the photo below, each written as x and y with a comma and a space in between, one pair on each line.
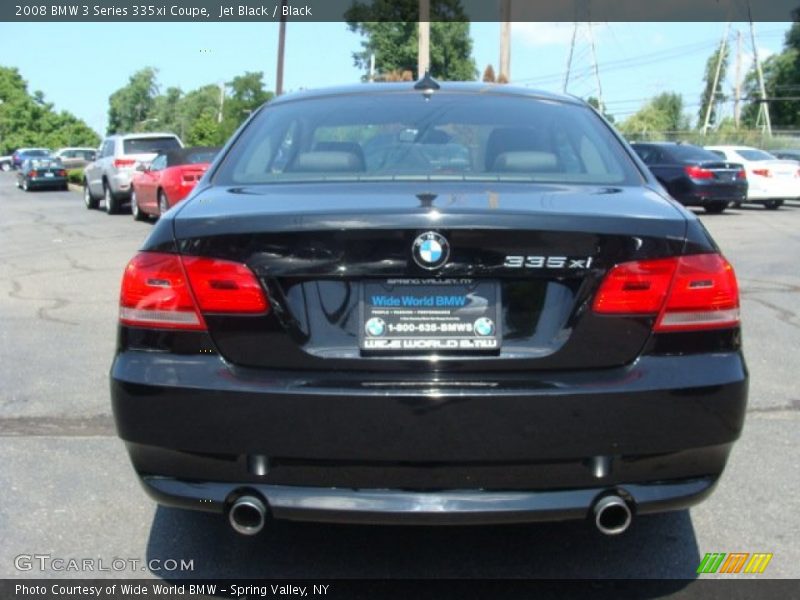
79, 65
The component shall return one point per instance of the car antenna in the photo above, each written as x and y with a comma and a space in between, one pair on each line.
427, 84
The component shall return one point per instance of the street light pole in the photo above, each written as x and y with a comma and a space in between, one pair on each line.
424, 48
281, 46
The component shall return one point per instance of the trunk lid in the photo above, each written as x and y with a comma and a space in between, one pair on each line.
324, 251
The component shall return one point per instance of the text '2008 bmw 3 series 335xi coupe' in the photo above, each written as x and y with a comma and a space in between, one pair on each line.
429, 303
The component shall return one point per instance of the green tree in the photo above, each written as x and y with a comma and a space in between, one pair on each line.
591, 100
661, 117
131, 105
716, 96
245, 94
391, 33
29, 120
204, 131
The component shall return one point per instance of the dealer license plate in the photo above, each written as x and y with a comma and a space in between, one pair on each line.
418, 315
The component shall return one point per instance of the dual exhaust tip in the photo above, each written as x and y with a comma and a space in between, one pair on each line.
612, 515
248, 514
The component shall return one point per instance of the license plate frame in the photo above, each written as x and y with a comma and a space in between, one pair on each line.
457, 315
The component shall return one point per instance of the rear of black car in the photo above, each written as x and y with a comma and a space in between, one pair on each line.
694, 176
394, 306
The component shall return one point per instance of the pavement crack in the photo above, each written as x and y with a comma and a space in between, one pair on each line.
791, 406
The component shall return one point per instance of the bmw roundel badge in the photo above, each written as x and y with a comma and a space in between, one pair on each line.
430, 250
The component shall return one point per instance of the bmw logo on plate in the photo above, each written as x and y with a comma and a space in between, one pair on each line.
430, 250
484, 326
375, 327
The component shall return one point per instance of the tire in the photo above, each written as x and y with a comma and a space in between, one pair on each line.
163, 204
89, 201
715, 208
65, 187
6, 166
137, 213
25, 186
773, 204
111, 201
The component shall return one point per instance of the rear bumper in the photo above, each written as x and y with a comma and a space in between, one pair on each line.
398, 507
528, 443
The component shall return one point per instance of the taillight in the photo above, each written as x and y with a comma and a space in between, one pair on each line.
33, 173
761, 172
62, 173
685, 293
122, 163
698, 172
169, 291
222, 286
742, 174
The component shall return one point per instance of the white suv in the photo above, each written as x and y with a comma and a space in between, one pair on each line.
109, 176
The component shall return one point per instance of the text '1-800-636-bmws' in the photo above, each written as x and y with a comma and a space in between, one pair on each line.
432, 304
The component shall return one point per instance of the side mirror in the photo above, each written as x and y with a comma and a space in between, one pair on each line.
142, 168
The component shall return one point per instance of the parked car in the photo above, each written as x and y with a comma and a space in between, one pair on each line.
75, 158
168, 179
787, 154
694, 176
5, 163
540, 333
109, 176
22, 154
38, 173
770, 180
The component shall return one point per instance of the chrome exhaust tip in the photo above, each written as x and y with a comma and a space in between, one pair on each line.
247, 515
612, 515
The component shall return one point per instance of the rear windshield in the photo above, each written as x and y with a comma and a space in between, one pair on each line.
407, 137
33, 153
687, 153
754, 154
149, 145
194, 158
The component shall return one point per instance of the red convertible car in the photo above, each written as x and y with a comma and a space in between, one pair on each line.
168, 179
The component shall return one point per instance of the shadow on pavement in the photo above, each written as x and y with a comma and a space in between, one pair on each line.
658, 546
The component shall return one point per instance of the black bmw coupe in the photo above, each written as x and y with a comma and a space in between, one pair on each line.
429, 303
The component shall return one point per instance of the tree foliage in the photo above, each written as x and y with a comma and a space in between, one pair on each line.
781, 79
202, 116
29, 120
133, 104
391, 33
710, 96
662, 116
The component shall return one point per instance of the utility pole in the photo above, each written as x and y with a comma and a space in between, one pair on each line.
281, 46
569, 57
737, 90
712, 98
764, 105
221, 100
596, 69
505, 41
424, 49
372, 67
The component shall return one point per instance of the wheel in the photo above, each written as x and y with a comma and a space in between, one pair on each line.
89, 200
137, 213
773, 204
112, 203
6, 166
737, 205
25, 186
715, 208
163, 205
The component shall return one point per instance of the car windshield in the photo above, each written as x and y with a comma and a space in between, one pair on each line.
149, 145
754, 154
34, 153
408, 136
690, 153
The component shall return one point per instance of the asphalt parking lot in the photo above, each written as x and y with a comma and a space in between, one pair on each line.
68, 490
